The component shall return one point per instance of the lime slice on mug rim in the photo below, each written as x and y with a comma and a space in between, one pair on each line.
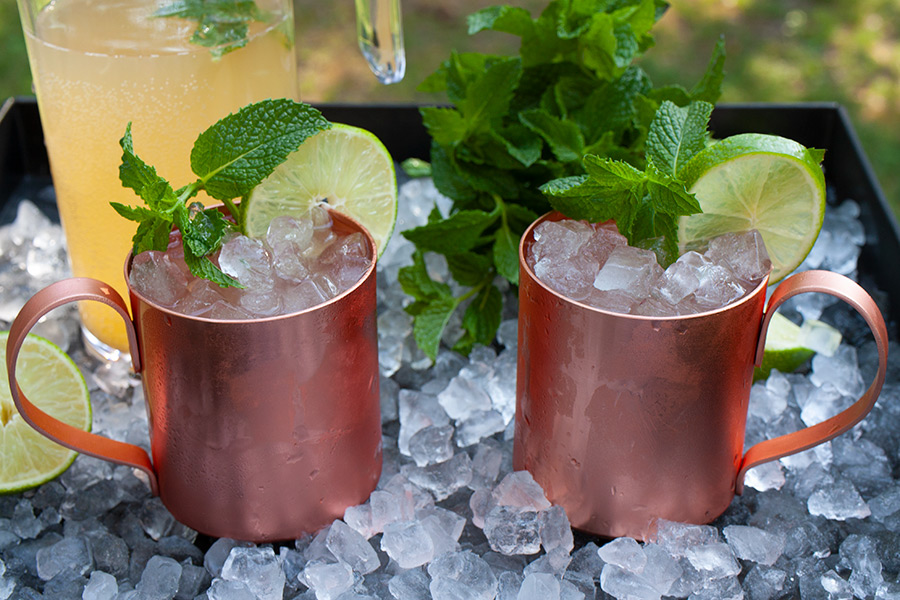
756, 181
346, 167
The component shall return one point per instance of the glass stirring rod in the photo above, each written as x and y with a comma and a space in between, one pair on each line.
379, 31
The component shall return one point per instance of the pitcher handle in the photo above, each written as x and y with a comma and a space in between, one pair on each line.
53, 296
850, 292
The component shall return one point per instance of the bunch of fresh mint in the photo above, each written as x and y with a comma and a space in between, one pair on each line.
230, 159
571, 122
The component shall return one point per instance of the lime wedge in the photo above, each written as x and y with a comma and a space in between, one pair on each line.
347, 167
789, 346
763, 182
53, 383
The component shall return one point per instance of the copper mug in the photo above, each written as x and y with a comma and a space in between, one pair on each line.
262, 429
625, 419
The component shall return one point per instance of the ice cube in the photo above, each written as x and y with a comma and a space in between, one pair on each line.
258, 569
288, 239
432, 444
199, 299
443, 479
411, 584
511, 531
754, 544
744, 253
676, 538
360, 519
351, 547
327, 580
764, 583
71, 554
221, 589
539, 586
302, 296
417, 411
486, 464
100, 586
155, 276
477, 426
718, 288
629, 270
679, 280
559, 240
160, 579
860, 554
839, 502
715, 559
247, 260
624, 552
217, 554
556, 531
24, 523
519, 490
408, 543
389, 508
622, 583
841, 370
767, 476
572, 277
463, 396
458, 575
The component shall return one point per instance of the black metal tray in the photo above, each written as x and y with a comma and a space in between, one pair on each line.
24, 166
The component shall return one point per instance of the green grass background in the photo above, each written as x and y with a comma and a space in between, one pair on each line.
778, 51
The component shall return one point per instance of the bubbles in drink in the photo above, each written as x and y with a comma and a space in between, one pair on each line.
301, 263
594, 264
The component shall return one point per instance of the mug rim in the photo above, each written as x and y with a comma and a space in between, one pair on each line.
344, 219
528, 238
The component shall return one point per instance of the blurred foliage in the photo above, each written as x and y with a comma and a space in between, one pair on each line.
778, 51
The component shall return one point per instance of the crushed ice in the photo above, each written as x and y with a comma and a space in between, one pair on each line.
450, 518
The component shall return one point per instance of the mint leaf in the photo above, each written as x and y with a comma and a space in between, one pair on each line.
459, 232
201, 230
152, 234
415, 281
677, 134
481, 319
669, 195
508, 19
506, 254
563, 137
709, 88
489, 95
143, 179
446, 126
239, 151
429, 324
469, 268
204, 268
585, 198
222, 25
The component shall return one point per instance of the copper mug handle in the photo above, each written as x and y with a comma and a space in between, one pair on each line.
850, 292
53, 296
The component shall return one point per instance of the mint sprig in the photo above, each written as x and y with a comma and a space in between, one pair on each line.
230, 158
222, 25
572, 122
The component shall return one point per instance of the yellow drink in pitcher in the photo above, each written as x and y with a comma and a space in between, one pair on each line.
98, 64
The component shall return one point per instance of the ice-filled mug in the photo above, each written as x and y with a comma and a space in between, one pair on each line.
261, 429
624, 419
